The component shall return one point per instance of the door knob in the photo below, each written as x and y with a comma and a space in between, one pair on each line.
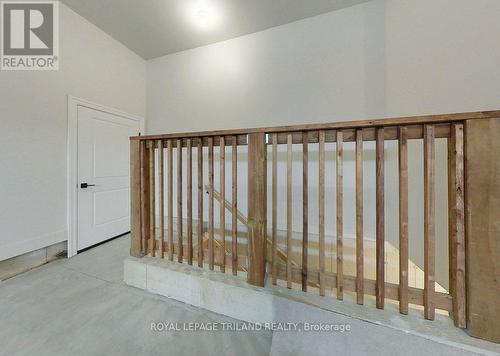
85, 185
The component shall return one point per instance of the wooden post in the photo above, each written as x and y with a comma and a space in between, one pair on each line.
152, 213
321, 211
275, 208
482, 198
135, 199
211, 203
380, 219
403, 220
200, 202
429, 221
456, 219
305, 209
189, 193
234, 206
179, 202
222, 176
144, 196
257, 208
340, 215
170, 205
162, 197
289, 212
359, 218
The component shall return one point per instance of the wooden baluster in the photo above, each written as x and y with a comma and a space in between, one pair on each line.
152, 212
162, 197
451, 213
179, 201
170, 206
305, 211
289, 213
144, 197
234, 205
274, 241
403, 220
380, 219
340, 215
359, 218
189, 193
211, 203
222, 162
456, 218
429, 221
200, 202
321, 200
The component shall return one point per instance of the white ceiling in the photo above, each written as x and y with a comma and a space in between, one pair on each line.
154, 28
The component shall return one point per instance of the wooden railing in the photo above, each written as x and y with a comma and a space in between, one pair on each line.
206, 245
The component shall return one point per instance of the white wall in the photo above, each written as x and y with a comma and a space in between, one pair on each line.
378, 59
381, 58
33, 124
442, 56
308, 71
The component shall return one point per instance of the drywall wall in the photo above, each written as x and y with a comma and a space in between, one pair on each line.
381, 58
33, 126
378, 59
307, 71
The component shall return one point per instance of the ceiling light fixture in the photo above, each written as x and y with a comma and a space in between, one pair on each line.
204, 14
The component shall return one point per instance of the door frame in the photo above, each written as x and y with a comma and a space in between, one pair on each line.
72, 162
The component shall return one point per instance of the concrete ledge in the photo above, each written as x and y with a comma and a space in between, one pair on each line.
221, 293
373, 330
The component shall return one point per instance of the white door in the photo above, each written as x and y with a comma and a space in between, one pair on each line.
103, 175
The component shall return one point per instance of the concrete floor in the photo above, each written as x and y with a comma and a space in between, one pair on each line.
80, 306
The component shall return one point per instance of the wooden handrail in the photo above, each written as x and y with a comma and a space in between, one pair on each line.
409, 120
